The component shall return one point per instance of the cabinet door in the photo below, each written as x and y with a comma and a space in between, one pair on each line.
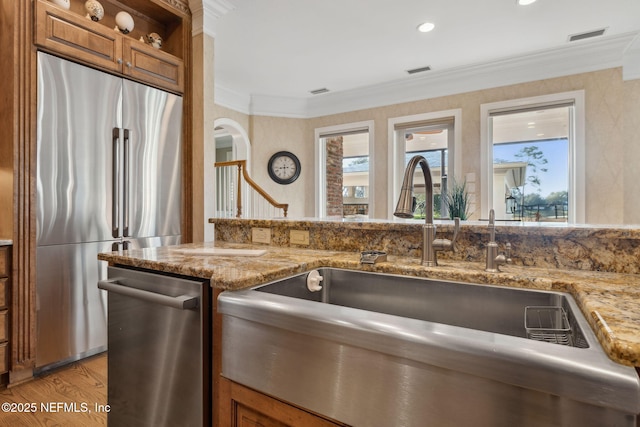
4, 261
247, 417
243, 407
5, 273
4, 325
77, 37
4, 293
4, 358
154, 66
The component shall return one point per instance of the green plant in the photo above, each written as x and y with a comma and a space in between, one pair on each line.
457, 200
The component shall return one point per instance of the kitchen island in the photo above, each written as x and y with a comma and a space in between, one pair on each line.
609, 301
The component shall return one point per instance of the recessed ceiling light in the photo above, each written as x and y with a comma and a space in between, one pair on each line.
525, 2
426, 27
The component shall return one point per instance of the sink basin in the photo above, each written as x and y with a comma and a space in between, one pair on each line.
487, 308
373, 349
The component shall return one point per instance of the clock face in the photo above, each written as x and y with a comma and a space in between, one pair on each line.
284, 167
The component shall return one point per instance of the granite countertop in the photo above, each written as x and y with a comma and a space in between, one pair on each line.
609, 301
6, 242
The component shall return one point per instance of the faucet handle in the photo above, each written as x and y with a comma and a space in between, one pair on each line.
507, 249
446, 244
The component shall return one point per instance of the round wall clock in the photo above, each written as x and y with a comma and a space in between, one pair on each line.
284, 167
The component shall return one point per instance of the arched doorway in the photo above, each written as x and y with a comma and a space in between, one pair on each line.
231, 143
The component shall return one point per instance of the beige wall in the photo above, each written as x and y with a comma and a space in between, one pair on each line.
268, 135
272, 134
227, 113
612, 142
631, 147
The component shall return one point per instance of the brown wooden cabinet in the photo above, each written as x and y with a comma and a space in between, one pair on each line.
241, 406
5, 285
77, 37
152, 66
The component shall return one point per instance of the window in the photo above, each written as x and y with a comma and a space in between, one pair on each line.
354, 175
531, 164
534, 160
430, 142
344, 179
436, 137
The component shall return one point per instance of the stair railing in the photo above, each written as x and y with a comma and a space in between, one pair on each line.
240, 196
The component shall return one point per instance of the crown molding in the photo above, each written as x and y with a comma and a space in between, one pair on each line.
631, 60
228, 98
204, 14
279, 106
181, 5
579, 57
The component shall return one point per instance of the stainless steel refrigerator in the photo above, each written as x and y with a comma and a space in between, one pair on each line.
109, 178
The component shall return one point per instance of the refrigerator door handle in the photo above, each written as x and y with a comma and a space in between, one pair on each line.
181, 302
125, 187
115, 213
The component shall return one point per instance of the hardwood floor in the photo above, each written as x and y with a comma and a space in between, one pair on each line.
75, 395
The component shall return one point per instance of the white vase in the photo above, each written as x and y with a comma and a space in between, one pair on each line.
94, 9
124, 22
65, 4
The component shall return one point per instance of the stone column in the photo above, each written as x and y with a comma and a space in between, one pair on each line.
334, 176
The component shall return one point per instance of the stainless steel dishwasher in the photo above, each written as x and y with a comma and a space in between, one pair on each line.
158, 349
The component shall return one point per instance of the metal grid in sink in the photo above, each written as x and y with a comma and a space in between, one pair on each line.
548, 324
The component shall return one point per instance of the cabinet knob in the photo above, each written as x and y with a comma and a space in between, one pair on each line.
119, 60
128, 64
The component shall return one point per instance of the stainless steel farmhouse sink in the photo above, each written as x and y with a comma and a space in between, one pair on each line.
371, 349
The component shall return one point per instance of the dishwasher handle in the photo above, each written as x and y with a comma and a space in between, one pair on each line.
181, 302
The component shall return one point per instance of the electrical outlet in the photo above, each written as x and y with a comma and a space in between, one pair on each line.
299, 237
261, 235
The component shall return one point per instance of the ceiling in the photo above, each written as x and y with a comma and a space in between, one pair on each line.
283, 49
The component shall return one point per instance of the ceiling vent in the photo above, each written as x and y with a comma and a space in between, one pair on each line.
587, 35
419, 70
319, 91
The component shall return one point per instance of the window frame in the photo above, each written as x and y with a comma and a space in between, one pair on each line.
321, 162
397, 149
577, 147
